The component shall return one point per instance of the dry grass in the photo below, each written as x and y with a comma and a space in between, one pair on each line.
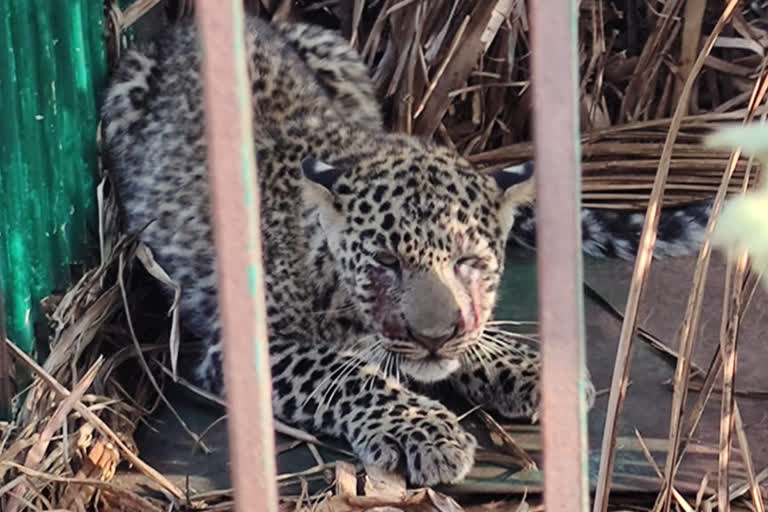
456, 70
463, 78
77, 418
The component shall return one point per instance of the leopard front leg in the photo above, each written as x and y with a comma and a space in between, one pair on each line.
505, 378
330, 392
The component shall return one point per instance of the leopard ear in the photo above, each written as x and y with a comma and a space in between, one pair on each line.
318, 180
517, 185
320, 173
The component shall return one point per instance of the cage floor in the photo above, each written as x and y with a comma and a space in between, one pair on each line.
646, 408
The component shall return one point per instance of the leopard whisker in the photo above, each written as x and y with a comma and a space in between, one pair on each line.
492, 345
358, 342
498, 345
389, 369
521, 352
406, 353
350, 360
331, 391
453, 344
402, 348
507, 339
334, 377
380, 359
374, 363
473, 353
386, 363
477, 350
353, 347
392, 371
514, 344
511, 322
505, 332
490, 350
457, 351
513, 335
467, 357
355, 361
507, 345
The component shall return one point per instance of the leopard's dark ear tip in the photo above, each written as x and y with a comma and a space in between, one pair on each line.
513, 175
320, 172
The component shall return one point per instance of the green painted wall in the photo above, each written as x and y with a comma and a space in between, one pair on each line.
52, 71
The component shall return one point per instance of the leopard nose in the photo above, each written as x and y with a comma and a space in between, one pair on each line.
433, 339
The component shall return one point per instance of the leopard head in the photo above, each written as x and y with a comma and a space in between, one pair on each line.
418, 236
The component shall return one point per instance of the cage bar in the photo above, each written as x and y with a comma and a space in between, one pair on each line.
237, 235
559, 257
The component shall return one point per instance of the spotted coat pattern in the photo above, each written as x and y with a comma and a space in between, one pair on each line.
382, 252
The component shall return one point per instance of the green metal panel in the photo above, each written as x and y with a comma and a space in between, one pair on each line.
52, 69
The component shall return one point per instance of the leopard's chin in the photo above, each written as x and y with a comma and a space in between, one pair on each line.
429, 369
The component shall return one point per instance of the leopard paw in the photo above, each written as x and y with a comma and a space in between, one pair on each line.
438, 449
514, 390
509, 384
422, 436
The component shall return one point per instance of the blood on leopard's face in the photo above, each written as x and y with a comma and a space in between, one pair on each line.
385, 311
422, 262
387, 293
418, 236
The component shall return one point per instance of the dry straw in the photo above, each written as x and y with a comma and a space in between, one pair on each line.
458, 71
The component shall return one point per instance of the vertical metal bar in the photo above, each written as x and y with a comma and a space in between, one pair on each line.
236, 221
558, 177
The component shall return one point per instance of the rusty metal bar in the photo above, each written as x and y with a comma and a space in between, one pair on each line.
236, 221
558, 204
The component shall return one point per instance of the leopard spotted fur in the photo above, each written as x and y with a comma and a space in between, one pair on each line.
383, 252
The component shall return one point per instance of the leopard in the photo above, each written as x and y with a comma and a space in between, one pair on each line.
382, 251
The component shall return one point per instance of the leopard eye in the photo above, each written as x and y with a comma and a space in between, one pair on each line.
468, 261
386, 259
